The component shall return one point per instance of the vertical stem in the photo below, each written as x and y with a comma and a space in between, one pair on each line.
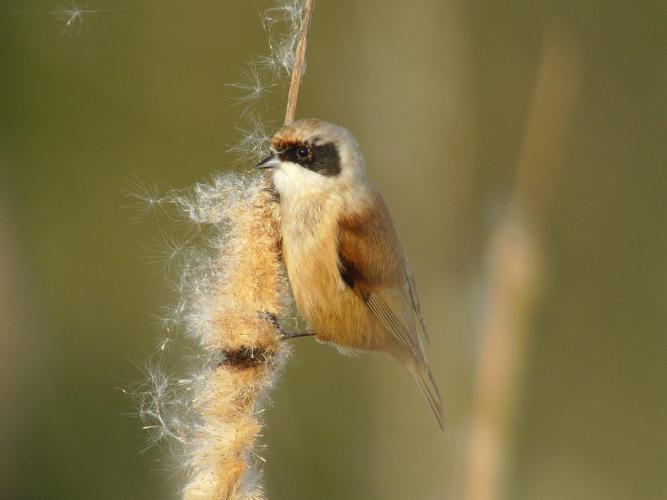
516, 270
299, 62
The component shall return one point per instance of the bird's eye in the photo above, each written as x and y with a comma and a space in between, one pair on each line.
303, 152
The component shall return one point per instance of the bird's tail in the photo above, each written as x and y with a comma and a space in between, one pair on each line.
424, 378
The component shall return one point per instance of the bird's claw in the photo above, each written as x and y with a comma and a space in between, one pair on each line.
284, 334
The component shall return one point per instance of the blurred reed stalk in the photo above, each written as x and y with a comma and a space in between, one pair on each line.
516, 269
9, 307
246, 339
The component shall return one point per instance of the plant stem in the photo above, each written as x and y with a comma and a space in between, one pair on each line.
517, 268
299, 62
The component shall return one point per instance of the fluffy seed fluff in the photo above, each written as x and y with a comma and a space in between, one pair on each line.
282, 24
229, 294
231, 289
233, 302
72, 17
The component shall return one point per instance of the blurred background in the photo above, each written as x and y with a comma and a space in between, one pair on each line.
521, 149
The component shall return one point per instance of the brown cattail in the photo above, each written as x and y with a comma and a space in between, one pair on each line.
231, 298
244, 346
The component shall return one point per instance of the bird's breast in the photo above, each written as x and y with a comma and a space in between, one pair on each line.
310, 250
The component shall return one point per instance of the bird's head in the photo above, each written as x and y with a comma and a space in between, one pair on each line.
314, 156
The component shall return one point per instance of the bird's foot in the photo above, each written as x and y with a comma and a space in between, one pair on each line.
284, 334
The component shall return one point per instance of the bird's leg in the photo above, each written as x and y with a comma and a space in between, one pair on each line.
295, 335
284, 334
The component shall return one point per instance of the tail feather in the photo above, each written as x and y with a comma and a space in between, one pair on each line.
426, 382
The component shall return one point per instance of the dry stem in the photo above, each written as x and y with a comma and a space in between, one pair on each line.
516, 271
299, 62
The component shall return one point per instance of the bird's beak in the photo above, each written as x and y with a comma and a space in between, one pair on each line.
269, 162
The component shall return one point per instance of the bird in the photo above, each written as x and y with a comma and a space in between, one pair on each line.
349, 275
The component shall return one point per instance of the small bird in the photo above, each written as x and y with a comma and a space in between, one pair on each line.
348, 272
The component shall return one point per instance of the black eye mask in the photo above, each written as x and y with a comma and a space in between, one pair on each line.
321, 158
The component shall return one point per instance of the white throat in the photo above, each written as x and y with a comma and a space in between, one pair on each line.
292, 180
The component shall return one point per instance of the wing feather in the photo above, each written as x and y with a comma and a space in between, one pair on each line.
414, 298
374, 266
392, 323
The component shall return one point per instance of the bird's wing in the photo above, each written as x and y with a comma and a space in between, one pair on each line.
373, 264
414, 298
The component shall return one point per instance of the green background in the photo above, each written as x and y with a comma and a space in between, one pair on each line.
437, 92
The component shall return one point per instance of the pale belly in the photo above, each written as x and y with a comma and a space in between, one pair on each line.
334, 312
